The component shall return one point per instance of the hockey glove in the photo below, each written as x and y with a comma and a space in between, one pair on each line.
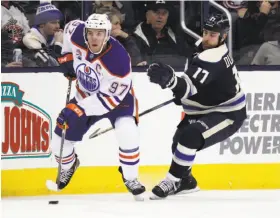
70, 115
163, 75
66, 62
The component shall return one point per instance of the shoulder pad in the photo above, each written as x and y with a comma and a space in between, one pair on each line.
213, 55
117, 60
77, 37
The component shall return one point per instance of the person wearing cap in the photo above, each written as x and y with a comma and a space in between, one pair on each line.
45, 36
156, 39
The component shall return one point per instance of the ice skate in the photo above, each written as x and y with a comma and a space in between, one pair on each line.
66, 175
165, 188
187, 185
169, 187
134, 187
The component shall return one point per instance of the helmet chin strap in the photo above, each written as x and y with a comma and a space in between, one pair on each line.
220, 42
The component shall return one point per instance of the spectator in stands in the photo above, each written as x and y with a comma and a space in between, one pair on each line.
30, 8
7, 48
269, 52
156, 40
125, 7
13, 27
252, 20
13, 21
71, 10
124, 38
45, 38
252, 16
273, 22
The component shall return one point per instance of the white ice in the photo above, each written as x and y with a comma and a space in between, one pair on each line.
203, 204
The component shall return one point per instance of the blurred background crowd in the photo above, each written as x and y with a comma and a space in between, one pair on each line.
32, 31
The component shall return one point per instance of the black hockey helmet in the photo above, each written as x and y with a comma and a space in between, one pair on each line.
217, 23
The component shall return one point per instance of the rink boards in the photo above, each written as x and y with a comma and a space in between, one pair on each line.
31, 102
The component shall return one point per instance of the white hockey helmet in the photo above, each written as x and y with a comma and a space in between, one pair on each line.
98, 21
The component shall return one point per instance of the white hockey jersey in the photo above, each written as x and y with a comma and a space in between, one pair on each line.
102, 81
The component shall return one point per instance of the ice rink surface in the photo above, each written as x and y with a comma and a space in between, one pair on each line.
203, 204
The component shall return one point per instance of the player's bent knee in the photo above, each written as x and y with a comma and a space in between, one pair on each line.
127, 132
191, 137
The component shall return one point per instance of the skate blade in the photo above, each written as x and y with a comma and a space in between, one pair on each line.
196, 189
155, 197
139, 197
52, 186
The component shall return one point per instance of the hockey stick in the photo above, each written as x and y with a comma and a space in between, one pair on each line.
49, 183
97, 133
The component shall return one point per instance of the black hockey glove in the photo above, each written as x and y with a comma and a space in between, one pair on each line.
66, 62
162, 74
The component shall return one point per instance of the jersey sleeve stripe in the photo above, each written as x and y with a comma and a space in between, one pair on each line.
235, 103
83, 94
104, 94
109, 99
103, 102
117, 99
191, 89
111, 102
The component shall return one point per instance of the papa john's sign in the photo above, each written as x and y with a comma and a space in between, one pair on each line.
26, 128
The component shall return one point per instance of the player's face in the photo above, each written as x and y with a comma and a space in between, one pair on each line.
95, 38
210, 39
51, 27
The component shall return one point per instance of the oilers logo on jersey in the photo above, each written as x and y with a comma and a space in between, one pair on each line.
87, 77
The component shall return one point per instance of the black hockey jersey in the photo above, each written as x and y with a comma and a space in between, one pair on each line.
212, 83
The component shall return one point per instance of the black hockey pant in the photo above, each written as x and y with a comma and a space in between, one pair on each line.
197, 132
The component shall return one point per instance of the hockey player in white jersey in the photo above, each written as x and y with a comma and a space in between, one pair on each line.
103, 90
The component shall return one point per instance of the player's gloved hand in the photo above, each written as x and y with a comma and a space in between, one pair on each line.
66, 63
162, 74
70, 115
70, 75
177, 100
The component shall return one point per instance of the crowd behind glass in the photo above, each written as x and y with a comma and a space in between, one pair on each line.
147, 32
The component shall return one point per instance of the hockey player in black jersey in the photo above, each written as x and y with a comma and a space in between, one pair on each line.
212, 99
